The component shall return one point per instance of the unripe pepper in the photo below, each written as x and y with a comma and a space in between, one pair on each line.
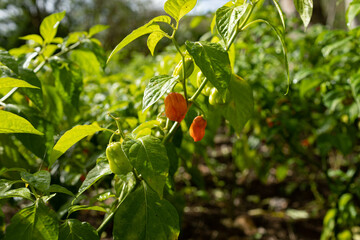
175, 107
207, 89
197, 128
189, 68
216, 98
119, 163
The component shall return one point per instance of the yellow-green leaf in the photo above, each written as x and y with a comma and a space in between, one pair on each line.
12, 123
49, 26
70, 138
179, 8
8, 82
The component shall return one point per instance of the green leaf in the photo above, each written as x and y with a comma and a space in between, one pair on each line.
281, 37
154, 39
9, 61
355, 89
40, 180
96, 29
12, 123
352, 11
34, 37
227, 22
8, 82
87, 62
124, 184
19, 192
338, 44
145, 125
146, 29
143, 215
100, 170
49, 26
59, 189
70, 138
179, 8
5, 185
148, 155
156, 88
241, 106
344, 200
85, 208
34, 222
281, 13
73, 229
68, 80
305, 9
213, 61
162, 18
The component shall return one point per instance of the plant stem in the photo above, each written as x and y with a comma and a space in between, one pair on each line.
170, 133
198, 91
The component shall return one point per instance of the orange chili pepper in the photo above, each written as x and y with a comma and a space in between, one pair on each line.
197, 128
175, 107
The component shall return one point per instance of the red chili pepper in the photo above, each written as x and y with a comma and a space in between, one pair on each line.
197, 128
175, 107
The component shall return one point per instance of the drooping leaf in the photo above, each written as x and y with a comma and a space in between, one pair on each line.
143, 215
156, 88
96, 29
40, 180
59, 189
305, 9
34, 222
281, 13
213, 61
49, 26
154, 39
241, 106
227, 22
34, 37
85, 208
73, 229
148, 155
179, 8
146, 29
8, 82
12, 123
352, 11
70, 138
100, 170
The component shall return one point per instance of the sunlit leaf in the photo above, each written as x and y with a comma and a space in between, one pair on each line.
96, 29
352, 11
34, 37
39, 180
12, 123
179, 8
227, 22
49, 26
156, 88
305, 9
148, 156
154, 39
8, 82
70, 138
213, 61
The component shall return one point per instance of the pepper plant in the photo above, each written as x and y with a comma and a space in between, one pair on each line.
142, 161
